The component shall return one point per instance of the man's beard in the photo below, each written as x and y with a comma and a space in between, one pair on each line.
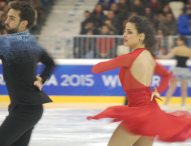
13, 30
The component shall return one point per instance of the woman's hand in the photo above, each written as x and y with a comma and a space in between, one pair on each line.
155, 94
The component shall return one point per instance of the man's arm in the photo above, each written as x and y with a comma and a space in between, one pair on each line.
49, 63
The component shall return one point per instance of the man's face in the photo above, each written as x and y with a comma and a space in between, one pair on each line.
110, 15
104, 30
13, 21
147, 10
114, 7
168, 17
188, 12
122, 1
89, 25
86, 15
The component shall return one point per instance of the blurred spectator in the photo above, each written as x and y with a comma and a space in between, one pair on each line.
124, 8
89, 45
160, 33
106, 4
184, 24
118, 14
149, 14
112, 28
2, 24
2, 4
89, 25
114, 7
168, 25
87, 15
6, 9
137, 7
98, 15
189, 2
87, 18
155, 6
84, 47
105, 45
114, 21
105, 30
162, 43
166, 9
157, 21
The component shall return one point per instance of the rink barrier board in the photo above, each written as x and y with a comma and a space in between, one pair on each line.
96, 99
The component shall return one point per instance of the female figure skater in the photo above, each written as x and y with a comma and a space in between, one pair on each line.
181, 72
142, 120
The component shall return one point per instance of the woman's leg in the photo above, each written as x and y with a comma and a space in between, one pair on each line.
144, 141
170, 91
122, 137
184, 88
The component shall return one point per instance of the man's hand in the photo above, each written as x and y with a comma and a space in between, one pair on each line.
38, 83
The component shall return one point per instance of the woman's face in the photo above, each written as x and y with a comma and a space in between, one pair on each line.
131, 37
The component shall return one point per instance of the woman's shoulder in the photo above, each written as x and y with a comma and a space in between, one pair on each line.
181, 48
185, 51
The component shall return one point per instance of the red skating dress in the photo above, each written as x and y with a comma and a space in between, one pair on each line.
142, 116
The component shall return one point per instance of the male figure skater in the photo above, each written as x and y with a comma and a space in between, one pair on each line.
20, 54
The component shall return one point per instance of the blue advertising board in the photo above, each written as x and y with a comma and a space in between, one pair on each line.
78, 80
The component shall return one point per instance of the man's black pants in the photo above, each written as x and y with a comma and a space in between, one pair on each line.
17, 127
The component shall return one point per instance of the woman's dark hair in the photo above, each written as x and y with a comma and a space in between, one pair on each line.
144, 26
183, 38
27, 12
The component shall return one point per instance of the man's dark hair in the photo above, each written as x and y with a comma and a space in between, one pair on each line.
27, 12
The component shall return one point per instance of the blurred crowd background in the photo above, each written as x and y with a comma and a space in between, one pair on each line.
110, 16
100, 32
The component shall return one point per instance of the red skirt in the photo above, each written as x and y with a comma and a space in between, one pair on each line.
144, 117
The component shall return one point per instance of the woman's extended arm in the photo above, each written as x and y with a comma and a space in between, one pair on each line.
120, 61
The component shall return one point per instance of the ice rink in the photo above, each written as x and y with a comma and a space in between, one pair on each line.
69, 127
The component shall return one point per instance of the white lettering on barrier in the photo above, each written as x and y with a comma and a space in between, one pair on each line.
77, 80
71, 80
155, 81
110, 80
113, 80
86, 80
52, 80
2, 82
65, 82
89, 80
